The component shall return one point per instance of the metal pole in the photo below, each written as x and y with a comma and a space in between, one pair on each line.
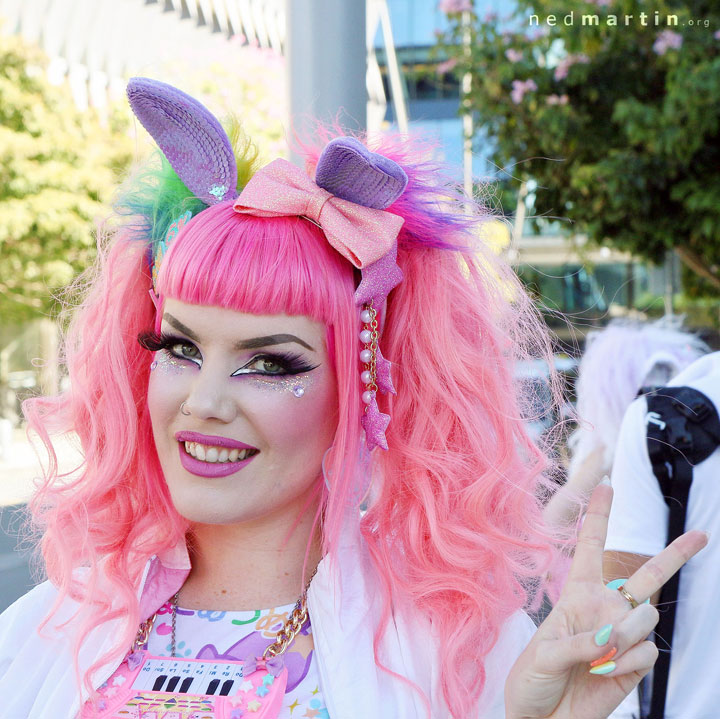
669, 282
326, 63
467, 110
397, 84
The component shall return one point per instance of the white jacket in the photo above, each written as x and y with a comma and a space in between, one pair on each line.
37, 680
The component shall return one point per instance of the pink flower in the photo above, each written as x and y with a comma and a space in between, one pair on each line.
540, 32
667, 40
513, 55
519, 88
716, 35
562, 68
449, 6
446, 66
556, 99
600, 3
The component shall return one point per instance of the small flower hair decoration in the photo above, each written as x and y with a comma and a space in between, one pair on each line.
347, 199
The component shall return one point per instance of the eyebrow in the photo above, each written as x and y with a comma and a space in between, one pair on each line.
249, 344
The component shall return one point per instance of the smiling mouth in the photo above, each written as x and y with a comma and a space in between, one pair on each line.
217, 455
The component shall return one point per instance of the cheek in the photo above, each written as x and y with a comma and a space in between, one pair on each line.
297, 413
166, 388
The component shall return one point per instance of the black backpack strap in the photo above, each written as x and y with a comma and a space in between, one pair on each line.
683, 429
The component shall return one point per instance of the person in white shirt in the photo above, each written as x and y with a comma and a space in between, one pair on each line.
638, 527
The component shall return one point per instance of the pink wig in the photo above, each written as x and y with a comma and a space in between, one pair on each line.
454, 527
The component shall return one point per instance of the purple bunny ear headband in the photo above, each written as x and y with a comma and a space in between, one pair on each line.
352, 188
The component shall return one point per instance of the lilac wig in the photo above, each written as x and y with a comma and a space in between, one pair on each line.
618, 361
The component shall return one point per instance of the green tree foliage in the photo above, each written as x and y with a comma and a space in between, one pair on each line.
58, 169
615, 119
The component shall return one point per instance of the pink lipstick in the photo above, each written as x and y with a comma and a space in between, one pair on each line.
211, 469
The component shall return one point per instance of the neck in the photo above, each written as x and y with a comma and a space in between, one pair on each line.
249, 566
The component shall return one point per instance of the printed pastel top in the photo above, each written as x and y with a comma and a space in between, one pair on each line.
217, 636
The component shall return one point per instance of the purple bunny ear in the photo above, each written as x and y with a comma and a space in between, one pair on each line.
348, 170
190, 137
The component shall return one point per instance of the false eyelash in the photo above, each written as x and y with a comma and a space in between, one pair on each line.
154, 341
291, 363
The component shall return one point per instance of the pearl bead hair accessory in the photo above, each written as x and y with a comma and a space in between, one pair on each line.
368, 356
375, 375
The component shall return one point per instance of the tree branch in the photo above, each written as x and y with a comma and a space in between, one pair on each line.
692, 260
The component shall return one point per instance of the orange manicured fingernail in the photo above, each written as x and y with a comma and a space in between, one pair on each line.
605, 658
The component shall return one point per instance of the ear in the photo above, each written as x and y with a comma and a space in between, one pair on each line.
191, 138
348, 170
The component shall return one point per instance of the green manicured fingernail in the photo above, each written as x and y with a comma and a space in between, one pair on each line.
603, 636
603, 668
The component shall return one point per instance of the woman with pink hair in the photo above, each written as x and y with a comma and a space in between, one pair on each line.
268, 522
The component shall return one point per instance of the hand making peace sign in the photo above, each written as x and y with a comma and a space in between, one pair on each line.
551, 678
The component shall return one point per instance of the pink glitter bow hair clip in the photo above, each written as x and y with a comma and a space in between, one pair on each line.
352, 188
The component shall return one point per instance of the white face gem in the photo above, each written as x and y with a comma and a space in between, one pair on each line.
298, 390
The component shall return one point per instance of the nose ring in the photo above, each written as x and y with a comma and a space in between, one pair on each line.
182, 409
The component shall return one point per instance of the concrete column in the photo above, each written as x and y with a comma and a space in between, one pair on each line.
326, 63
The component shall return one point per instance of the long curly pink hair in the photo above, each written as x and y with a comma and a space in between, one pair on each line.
454, 527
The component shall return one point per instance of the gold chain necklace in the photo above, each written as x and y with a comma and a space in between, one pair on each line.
283, 639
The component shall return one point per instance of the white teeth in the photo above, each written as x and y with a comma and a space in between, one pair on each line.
209, 453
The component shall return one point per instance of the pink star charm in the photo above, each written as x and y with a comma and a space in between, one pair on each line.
378, 279
384, 380
374, 422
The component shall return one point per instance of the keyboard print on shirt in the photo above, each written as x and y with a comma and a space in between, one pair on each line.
149, 687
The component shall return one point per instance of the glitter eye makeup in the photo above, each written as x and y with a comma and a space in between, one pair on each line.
276, 368
296, 386
165, 360
274, 364
171, 352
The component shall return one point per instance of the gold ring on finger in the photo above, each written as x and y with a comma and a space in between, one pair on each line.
633, 602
